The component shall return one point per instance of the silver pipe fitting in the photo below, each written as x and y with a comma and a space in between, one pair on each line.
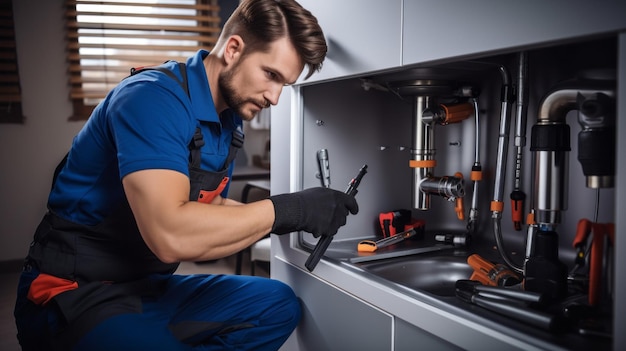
422, 150
450, 188
551, 144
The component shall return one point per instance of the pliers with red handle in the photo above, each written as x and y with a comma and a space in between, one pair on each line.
600, 232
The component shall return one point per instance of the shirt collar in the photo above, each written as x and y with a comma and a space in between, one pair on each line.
199, 90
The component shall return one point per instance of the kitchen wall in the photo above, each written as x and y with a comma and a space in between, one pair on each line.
31, 151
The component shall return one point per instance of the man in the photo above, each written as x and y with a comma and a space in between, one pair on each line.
144, 187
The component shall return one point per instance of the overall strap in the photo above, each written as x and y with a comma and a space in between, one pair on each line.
181, 68
194, 148
198, 141
235, 144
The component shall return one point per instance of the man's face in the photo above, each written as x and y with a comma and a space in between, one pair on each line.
256, 80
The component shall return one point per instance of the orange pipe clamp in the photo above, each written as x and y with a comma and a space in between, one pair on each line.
422, 163
530, 218
476, 176
497, 205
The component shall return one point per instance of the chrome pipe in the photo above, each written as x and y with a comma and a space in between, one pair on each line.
422, 150
503, 139
520, 117
551, 144
447, 187
473, 213
551, 184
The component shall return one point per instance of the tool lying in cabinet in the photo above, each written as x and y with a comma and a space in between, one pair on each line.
512, 303
371, 245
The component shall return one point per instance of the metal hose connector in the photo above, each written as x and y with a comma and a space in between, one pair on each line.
497, 229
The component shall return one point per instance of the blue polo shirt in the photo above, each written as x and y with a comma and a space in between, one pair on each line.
146, 122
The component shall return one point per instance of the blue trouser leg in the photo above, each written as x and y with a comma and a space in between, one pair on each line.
206, 312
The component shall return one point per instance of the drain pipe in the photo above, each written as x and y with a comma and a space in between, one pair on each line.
423, 151
427, 114
550, 144
423, 163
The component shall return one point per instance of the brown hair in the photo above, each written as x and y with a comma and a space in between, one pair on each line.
261, 22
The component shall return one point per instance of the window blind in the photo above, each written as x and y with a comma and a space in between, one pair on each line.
10, 92
106, 38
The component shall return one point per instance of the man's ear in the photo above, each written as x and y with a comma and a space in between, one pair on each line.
233, 49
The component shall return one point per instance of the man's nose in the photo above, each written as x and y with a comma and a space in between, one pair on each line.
274, 93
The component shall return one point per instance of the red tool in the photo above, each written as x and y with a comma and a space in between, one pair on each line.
600, 232
394, 222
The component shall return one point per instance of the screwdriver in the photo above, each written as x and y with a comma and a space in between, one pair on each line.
324, 242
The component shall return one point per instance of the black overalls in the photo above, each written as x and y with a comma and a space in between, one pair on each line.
90, 273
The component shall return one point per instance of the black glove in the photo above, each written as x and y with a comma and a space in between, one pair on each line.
319, 211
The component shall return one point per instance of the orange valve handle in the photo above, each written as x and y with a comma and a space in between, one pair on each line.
459, 208
481, 269
457, 113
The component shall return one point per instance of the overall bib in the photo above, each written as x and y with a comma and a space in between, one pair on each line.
90, 273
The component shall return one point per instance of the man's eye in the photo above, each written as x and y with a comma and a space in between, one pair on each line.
271, 75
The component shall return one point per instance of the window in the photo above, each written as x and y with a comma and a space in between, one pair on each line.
107, 38
10, 92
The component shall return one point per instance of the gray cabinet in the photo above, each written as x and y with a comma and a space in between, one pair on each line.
347, 311
332, 319
445, 29
409, 338
362, 35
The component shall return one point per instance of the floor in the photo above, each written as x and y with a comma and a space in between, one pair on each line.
9, 274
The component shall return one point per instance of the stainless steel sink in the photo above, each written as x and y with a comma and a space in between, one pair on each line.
435, 273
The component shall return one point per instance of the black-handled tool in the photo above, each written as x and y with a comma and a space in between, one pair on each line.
324, 242
507, 302
535, 318
475, 286
354, 183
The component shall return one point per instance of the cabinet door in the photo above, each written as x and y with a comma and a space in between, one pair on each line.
332, 319
441, 29
362, 36
409, 338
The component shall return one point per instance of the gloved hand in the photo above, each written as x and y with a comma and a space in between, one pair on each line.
319, 211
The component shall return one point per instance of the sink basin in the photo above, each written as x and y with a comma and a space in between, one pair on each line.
435, 273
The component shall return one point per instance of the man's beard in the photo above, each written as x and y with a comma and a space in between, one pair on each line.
230, 96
